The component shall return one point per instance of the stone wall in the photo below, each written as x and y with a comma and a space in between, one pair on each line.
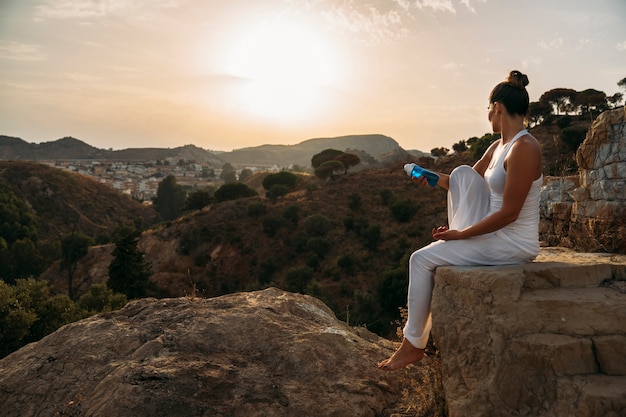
588, 211
545, 338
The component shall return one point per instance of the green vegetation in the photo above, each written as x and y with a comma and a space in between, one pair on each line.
129, 273
170, 198
29, 310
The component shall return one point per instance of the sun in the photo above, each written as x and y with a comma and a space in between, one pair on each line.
284, 68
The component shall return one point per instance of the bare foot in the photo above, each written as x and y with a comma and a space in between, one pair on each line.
405, 355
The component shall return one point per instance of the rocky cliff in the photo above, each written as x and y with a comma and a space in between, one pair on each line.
588, 211
265, 353
542, 339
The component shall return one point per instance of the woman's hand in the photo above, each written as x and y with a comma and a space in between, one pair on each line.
421, 180
443, 233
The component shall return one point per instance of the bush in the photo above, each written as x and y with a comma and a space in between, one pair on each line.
257, 210
355, 201
297, 279
573, 136
284, 178
233, 191
318, 245
317, 225
291, 214
386, 196
564, 122
271, 224
404, 211
372, 237
277, 190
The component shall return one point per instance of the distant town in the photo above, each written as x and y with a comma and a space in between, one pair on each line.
140, 179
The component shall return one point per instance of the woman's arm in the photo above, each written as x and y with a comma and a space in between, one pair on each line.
483, 163
523, 166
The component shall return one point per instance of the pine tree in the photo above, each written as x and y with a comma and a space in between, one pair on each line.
129, 273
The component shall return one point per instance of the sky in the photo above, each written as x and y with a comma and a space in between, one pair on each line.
228, 74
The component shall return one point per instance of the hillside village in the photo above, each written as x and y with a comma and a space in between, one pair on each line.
140, 179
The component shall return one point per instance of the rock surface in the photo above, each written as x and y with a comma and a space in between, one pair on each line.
265, 353
588, 211
545, 338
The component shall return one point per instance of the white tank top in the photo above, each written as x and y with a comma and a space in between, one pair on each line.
523, 232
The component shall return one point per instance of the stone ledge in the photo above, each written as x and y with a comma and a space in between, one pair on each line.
526, 339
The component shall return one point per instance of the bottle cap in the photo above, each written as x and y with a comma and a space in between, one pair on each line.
408, 168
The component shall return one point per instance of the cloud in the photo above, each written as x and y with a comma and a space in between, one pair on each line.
621, 46
17, 51
553, 44
80, 9
374, 24
380, 20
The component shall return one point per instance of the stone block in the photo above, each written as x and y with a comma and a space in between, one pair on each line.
611, 353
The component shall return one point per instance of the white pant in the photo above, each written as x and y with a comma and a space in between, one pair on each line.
468, 203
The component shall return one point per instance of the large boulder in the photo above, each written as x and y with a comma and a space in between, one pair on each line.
546, 338
265, 353
588, 212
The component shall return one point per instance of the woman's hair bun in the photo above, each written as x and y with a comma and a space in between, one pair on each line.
517, 79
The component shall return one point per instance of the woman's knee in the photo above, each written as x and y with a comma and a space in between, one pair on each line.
419, 261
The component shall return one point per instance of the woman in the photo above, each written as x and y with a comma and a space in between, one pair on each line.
493, 213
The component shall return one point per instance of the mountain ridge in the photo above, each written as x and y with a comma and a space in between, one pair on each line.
379, 147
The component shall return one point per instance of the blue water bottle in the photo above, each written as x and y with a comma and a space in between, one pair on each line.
414, 170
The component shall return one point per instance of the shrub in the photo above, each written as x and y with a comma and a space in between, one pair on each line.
318, 245
277, 190
297, 279
257, 210
271, 224
355, 201
291, 214
404, 211
284, 178
573, 136
317, 225
372, 237
386, 196
233, 191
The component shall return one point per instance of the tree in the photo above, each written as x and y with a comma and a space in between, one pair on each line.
459, 147
436, 152
324, 156
170, 198
348, 160
16, 218
285, 178
622, 83
591, 101
129, 273
245, 174
317, 225
480, 145
229, 173
101, 298
197, 200
26, 260
537, 112
327, 169
615, 100
559, 99
233, 191
73, 248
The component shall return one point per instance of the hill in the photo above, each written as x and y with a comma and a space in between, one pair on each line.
375, 148
69, 148
63, 201
379, 147
344, 241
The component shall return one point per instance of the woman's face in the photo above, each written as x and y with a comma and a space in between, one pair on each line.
494, 116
